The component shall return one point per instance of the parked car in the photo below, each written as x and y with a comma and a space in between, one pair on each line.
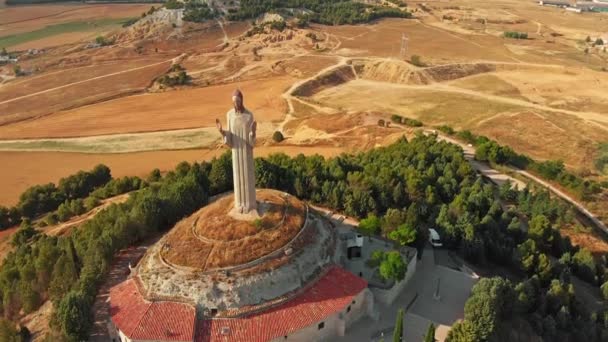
434, 238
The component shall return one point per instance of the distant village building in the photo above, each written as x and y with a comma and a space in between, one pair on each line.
8, 59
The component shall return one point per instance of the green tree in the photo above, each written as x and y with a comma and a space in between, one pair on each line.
154, 176
393, 267
430, 333
370, 225
526, 256
405, 234
392, 219
584, 265
74, 316
417, 61
277, 137
604, 289
539, 229
462, 331
491, 300
64, 276
25, 232
398, 332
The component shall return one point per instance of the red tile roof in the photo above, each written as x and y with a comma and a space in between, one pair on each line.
329, 295
140, 319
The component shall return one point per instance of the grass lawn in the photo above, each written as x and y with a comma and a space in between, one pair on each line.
48, 31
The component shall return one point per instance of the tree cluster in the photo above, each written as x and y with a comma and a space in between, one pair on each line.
182, 78
549, 310
332, 12
198, 11
398, 119
41, 199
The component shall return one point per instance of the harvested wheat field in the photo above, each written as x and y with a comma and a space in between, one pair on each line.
80, 93
185, 108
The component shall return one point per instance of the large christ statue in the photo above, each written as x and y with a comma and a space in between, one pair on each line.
240, 136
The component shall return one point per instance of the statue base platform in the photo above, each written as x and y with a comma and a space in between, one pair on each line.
253, 214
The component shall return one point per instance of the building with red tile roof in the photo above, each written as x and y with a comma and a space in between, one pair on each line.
331, 299
323, 309
137, 319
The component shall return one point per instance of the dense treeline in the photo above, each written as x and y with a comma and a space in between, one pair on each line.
328, 12
198, 11
41, 199
553, 170
499, 310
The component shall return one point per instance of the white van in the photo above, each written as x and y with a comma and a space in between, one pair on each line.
434, 238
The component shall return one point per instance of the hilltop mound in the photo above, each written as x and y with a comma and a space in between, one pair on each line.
155, 25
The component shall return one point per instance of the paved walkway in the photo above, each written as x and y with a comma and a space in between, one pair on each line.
118, 273
454, 290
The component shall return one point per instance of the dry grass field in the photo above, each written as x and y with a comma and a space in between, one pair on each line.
186, 108
199, 242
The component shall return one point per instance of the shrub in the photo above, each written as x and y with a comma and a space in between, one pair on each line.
173, 4
515, 35
381, 123
411, 122
446, 129
103, 41
18, 71
599, 41
417, 61
277, 136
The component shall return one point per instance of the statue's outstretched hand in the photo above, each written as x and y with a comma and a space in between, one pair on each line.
218, 124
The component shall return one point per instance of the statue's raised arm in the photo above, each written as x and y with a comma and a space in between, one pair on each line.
225, 134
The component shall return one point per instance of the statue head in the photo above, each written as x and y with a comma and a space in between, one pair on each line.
237, 101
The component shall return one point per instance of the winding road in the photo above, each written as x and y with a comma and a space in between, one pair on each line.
499, 178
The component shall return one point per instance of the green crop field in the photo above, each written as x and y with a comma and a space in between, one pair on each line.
48, 31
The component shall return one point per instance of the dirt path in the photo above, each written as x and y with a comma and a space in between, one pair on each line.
64, 227
172, 60
118, 273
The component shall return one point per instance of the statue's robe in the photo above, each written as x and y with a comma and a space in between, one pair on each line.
241, 139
